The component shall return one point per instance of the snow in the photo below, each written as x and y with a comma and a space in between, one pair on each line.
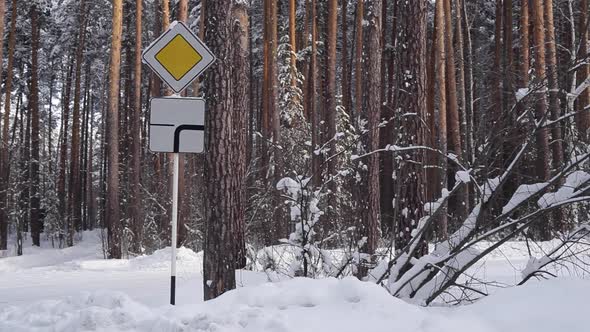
524, 192
521, 93
463, 176
311, 305
74, 289
534, 264
565, 192
47, 273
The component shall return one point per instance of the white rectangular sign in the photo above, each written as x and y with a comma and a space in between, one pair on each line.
177, 125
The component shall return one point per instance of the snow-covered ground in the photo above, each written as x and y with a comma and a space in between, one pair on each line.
75, 289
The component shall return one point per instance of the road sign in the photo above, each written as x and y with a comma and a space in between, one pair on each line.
177, 125
178, 56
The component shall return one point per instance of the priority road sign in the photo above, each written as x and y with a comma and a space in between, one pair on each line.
178, 56
177, 125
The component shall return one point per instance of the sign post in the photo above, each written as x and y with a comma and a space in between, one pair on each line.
177, 124
174, 230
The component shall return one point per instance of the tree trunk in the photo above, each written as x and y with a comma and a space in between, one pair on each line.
84, 148
542, 156
454, 132
75, 193
23, 175
183, 203
312, 96
583, 118
227, 86
440, 60
524, 45
135, 211
432, 173
63, 149
462, 99
183, 10
387, 132
370, 228
458, 204
470, 84
358, 83
554, 107
113, 219
331, 111
4, 149
91, 193
508, 57
293, 39
495, 116
34, 105
346, 91
411, 98
466, 136
271, 125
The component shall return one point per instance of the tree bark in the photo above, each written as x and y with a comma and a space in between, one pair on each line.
524, 45
75, 193
331, 111
63, 149
370, 229
556, 132
470, 85
183, 10
542, 156
346, 91
497, 104
542, 161
441, 61
454, 131
113, 219
4, 152
583, 118
358, 63
226, 90
34, 105
135, 192
183, 210
458, 204
293, 39
554, 107
411, 98
387, 132
312, 97
462, 99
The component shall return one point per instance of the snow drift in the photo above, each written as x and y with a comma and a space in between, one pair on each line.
312, 305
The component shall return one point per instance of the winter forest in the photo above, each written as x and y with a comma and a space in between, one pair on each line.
397, 142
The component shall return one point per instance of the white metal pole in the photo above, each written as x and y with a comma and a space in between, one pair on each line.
174, 229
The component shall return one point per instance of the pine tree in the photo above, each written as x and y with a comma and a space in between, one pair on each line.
113, 219
4, 152
135, 211
411, 99
35, 137
227, 98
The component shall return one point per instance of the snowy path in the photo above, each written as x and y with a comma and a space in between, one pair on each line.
145, 287
47, 273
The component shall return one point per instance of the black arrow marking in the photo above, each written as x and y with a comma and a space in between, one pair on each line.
182, 128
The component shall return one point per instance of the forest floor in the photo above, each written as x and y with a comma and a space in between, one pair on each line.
75, 289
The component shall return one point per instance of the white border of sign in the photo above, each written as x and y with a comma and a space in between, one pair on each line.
165, 113
178, 28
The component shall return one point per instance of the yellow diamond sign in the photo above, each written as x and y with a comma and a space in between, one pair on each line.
178, 56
